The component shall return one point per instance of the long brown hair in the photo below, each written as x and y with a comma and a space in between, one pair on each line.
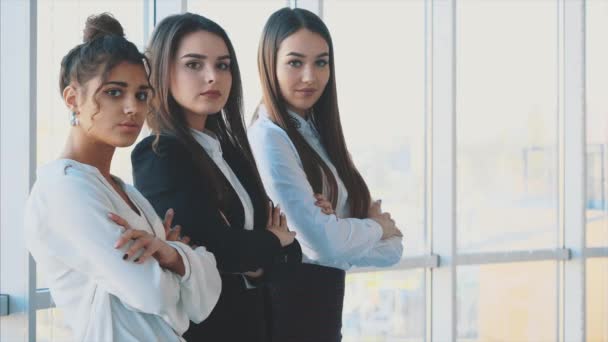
168, 116
324, 115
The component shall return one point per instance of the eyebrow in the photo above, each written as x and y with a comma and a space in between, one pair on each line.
125, 84
199, 56
297, 54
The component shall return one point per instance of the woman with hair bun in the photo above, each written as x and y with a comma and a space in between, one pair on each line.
116, 278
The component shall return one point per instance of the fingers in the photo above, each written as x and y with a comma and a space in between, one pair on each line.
270, 208
398, 232
324, 204
276, 216
168, 220
284, 222
141, 240
185, 239
174, 233
128, 235
119, 220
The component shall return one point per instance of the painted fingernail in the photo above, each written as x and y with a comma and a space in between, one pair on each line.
136, 260
124, 257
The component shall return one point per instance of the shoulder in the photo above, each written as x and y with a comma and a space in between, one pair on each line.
66, 185
264, 132
168, 148
65, 176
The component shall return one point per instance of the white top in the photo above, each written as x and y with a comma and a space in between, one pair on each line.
329, 240
214, 150
103, 297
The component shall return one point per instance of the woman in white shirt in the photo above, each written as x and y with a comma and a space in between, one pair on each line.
115, 279
299, 147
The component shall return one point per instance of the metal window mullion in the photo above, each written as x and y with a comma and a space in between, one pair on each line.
509, 257
407, 263
164, 8
315, 6
18, 43
443, 169
572, 137
595, 252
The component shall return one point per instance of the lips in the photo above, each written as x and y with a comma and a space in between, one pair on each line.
212, 93
306, 91
129, 126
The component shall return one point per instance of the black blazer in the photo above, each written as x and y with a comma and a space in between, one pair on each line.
169, 178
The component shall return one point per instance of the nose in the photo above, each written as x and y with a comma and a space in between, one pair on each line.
308, 74
210, 75
130, 106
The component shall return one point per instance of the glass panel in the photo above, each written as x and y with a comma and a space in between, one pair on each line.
384, 306
506, 125
244, 37
507, 302
60, 25
380, 79
50, 326
597, 299
597, 123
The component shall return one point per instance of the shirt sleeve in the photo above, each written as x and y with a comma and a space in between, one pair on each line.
329, 238
74, 216
385, 253
201, 284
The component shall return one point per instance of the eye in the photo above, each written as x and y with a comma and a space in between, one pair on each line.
193, 65
142, 96
295, 63
321, 62
114, 92
223, 66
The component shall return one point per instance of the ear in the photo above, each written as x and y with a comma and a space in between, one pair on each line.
70, 97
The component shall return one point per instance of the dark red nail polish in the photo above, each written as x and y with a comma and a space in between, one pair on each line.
124, 257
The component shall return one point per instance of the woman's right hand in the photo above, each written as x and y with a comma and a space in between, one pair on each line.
389, 229
277, 224
151, 246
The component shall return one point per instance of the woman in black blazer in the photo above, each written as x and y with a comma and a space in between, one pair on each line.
199, 163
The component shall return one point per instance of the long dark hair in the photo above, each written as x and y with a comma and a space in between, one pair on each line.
104, 46
168, 116
325, 114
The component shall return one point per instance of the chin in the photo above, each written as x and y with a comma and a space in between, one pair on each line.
124, 142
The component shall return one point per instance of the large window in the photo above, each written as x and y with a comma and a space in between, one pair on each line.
474, 121
506, 125
596, 204
380, 76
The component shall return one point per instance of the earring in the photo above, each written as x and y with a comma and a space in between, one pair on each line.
74, 120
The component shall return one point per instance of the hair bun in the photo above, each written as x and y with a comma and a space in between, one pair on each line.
100, 25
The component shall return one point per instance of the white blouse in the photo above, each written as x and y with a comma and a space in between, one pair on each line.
329, 240
103, 297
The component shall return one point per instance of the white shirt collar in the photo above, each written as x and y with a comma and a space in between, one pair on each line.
208, 141
304, 126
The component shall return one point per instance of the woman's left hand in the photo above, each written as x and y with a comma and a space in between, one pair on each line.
324, 204
174, 233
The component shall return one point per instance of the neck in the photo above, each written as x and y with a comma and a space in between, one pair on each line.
303, 113
83, 149
196, 121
